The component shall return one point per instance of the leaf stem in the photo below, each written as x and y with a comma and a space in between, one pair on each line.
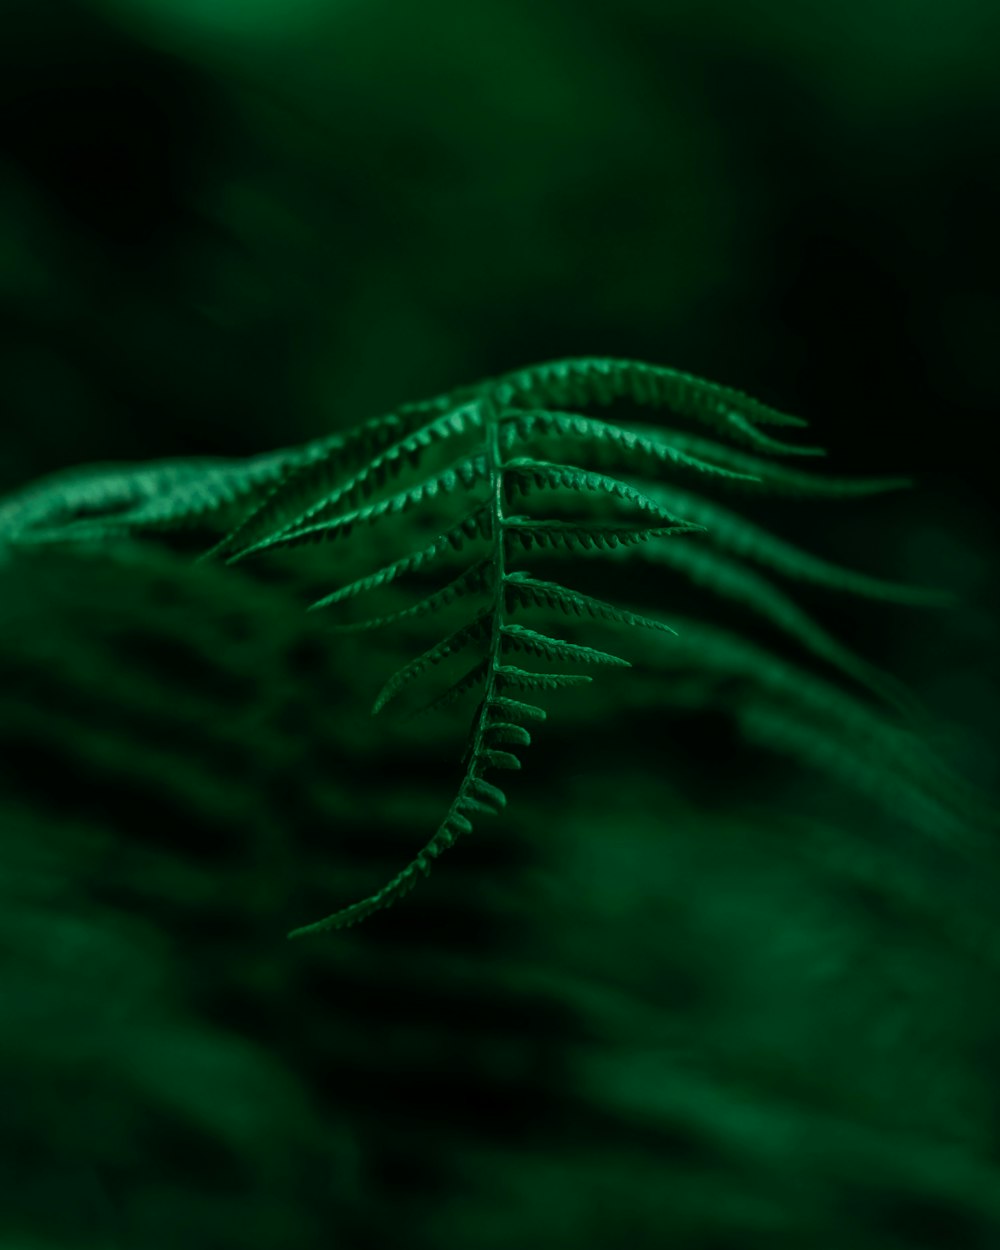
496, 469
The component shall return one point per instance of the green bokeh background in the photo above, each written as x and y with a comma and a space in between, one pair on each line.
683, 992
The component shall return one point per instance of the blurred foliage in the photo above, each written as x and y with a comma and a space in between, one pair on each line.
681, 988
685, 990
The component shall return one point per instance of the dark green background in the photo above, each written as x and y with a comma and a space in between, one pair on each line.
667, 999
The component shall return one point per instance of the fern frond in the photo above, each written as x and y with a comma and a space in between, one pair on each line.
501, 759
767, 476
469, 581
475, 524
313, 471
402, 453
522, 639
503, 706
527, 472
331, 487
113, 501
734, 581
901, 775
517, 426
506, 731
853, 730
464, 473
400, 885
468, 681
527, 591
475, 796
587, 535
510, 412
599, 380
522, 679
876, 773
768, 443
741, 537
457, 641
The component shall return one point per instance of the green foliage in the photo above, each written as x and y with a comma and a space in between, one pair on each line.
326, 490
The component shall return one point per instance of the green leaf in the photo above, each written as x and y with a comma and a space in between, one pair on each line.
527, 591
527, 472
500, 759
310, 473
517, 710
583, 535
518, 426
765, 441
405, 451
464, 473
522, 639
474, 677
108, 502
860, 729
600, 380
732, 580
475, 629
741, 537
769, 477
453, 826
469, 581
506, 731
474, 524
524, 680
483, 789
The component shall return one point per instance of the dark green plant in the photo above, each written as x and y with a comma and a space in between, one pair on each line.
507, 442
